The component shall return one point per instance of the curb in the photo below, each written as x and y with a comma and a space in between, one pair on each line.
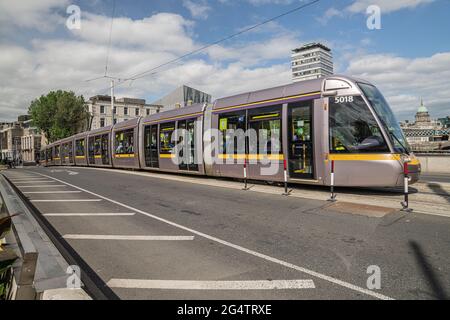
41, 267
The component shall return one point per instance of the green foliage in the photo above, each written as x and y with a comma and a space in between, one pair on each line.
59, 114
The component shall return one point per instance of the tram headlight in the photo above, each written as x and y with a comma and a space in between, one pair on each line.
406, 158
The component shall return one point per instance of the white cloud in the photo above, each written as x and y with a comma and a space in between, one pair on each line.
404, 81
50, 63
163, 31
360, 6
198, 8
262, 2
42, 15
330, 13
386, 6
253, 53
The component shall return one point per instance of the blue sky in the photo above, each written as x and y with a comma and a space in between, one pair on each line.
408, 58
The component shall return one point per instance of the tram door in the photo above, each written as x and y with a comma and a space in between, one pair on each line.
91, 150
188, 162
300, 140
105, 148
151, 146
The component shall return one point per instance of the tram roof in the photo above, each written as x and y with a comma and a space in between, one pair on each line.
98, 130
296, 88
170, 114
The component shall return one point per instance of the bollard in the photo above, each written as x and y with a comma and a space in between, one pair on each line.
405, 203
333, 195
245, 175
286, 191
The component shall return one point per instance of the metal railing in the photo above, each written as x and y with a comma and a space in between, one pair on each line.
19, 258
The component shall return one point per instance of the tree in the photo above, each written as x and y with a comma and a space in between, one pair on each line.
59, 114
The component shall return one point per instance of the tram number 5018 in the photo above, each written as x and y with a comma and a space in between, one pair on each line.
343, 99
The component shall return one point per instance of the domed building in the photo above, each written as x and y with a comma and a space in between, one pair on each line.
425, 133
423, 119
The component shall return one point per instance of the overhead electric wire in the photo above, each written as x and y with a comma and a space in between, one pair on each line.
142, 74
110, 37
152, 71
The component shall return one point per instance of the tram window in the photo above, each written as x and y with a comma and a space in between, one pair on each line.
63, 150
79, 147
70, 151
387, 117
124, 142
56, 151
229, 123
91, 148
105, 143
97, 145
267, 125
165, 137
353, 128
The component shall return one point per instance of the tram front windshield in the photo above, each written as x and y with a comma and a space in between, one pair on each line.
386, 116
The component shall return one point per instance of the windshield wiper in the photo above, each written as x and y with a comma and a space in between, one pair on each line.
391, 132
399, 141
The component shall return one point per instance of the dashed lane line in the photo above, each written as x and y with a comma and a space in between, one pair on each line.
124, 237
238, 247
42, 186
39, 192
34, 181
106, 214
211, 285
66, 200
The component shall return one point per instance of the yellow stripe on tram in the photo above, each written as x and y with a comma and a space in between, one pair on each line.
251, 156
125, 155
363, 157
167, 155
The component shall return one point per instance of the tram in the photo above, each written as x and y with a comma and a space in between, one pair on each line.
336, 118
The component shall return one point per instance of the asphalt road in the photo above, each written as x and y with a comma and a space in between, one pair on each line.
435, 177
204, 242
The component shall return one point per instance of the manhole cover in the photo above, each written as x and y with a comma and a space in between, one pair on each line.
361, 209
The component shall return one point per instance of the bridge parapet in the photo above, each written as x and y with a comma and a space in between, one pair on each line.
434, 162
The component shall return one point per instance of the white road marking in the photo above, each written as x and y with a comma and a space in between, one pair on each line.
67, 200
42, 186
70, 214
34, 181
28, 179
211, 285
75, 191
238, 247
121, 237
25, 177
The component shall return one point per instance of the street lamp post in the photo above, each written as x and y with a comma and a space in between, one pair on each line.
112, 102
